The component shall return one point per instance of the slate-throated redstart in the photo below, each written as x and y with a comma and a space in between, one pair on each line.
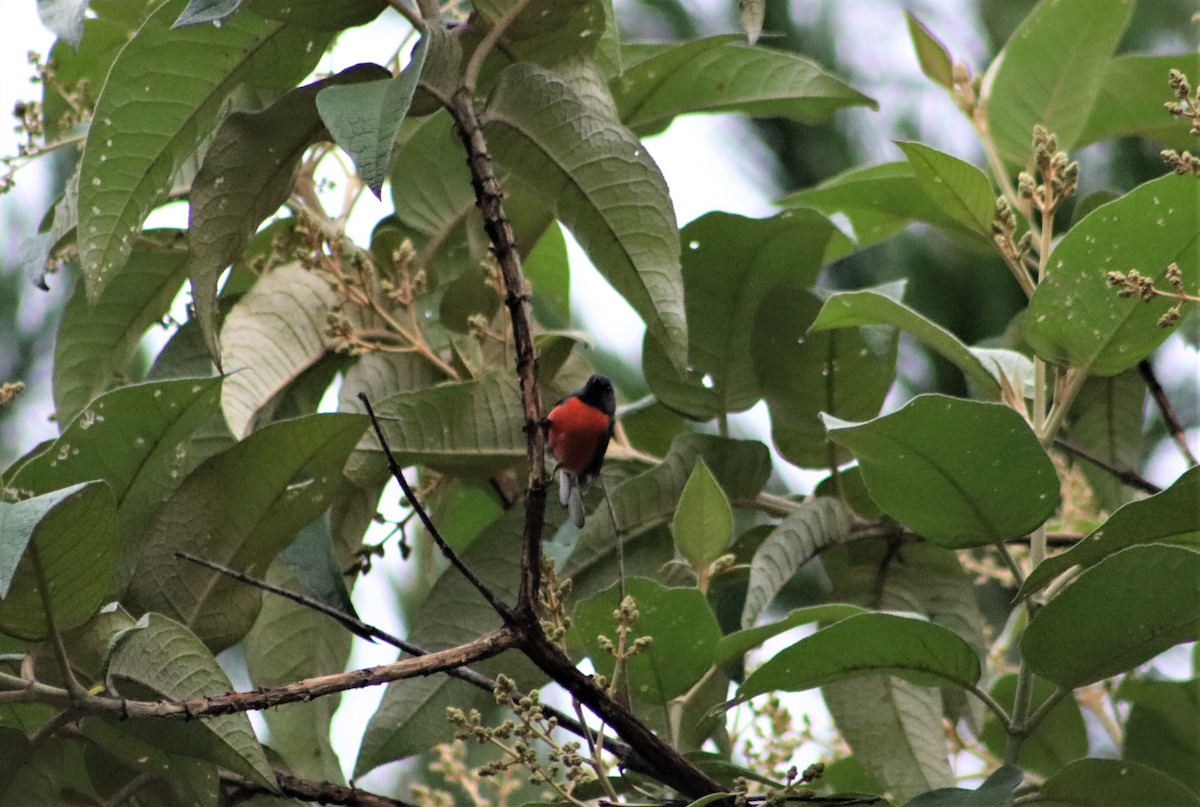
578, 429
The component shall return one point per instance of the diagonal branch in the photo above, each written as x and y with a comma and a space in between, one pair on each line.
1122, 474
1170, 418
310, 790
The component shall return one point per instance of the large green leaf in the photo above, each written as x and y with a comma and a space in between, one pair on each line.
602, 184
816, 525
72, 534
1050, 73
733, 645
1112, 783
1075, 317
683, 628
996, 791
857, 308
719, 74
248, 172
273, 334
1156, 592
1106, 420
319, 14
135, 438
960, 189
1169, 517
917, 651
166, 659
845, 373
97, 337
1133, 90
1163, 727
731, 264
365, 118
960, 473
240, 508
472, 427
163, 97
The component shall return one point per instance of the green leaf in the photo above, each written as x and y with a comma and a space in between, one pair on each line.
1112, 783
272, 335
731, 264
734, 645
1075, 318
996, 791
102, 40
1161, 730
719, 74
960, 473
411, 718
163, 97
364, 119
1058, 739
549, 272
649, 499
97, 337
602, 184
73, 532
469, 427
240, 508
547, 32
199, 11
847, 373
856, 308
1169, 517
135, 438
931, 53
167, 659
684, 631
319, 14
703, 522
914, 650
1050, 72
1107, 640
960, 189
1106, 420
1133, 89
871, 204
817, 524
248, 171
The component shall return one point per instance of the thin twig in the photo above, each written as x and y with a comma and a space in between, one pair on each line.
1170, 418
614, 746
75, 689
1126, 475
313, 791
126, 791
398, 474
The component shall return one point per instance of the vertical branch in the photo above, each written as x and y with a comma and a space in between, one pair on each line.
489, 199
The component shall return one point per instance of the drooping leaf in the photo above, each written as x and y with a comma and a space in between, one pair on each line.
703, 522
248, 172
917, 651
1108, 641
802, 374
1058, 739
97, 337
170, 662
858, 308
163, 97
272, 335
816, 525
1050, 73
720, 74
683, 628
1169, 517
1112, 783
602, 184
72, 535
931, 53
240, 508
960, 473
960, 189
996, 791
1075, 318
364, 118
731, 264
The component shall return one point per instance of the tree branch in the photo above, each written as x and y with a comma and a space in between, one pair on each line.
309, 790
1125, 475
1174, 427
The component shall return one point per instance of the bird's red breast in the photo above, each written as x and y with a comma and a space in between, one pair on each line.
575, 433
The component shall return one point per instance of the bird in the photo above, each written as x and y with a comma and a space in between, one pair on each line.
578, 429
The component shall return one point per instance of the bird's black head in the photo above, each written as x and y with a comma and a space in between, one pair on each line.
598, 392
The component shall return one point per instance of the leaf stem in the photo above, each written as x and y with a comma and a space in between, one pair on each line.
74, 688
